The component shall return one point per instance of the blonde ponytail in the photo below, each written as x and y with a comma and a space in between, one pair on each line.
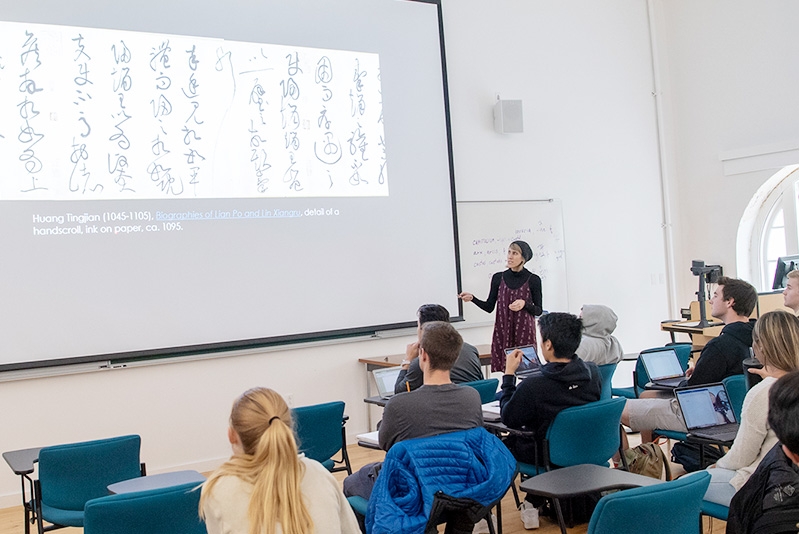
262, 420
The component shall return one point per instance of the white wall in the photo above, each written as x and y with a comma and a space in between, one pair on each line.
181, 409
584, 73
730, 84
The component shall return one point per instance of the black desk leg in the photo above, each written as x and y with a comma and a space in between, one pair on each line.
559, 512
26, 507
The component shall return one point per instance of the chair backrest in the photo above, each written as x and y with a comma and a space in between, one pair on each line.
736, 389
607, 371
160, 511
667, 508
587, 434
70, 475
486, 388
318, 429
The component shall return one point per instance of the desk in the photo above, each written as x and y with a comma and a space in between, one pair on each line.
151, 482
377, 400
699, 336
579, 480
394, 360
21, 463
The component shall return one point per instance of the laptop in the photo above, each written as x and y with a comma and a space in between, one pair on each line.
707, 412
531, 362
385, 380
663, 368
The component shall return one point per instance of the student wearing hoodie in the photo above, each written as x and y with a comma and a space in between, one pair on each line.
598, 345
564, 381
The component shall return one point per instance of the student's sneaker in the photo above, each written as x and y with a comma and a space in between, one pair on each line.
529, 515
481, 527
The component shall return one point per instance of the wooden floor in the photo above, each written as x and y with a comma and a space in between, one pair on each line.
11, 520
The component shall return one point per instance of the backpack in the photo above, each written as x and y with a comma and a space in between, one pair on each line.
647, 459
687, 454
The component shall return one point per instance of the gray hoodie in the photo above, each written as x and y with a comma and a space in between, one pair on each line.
598, 345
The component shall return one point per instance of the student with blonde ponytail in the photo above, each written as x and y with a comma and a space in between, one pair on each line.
266, 487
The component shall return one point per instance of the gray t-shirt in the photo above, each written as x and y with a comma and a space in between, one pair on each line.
428, 411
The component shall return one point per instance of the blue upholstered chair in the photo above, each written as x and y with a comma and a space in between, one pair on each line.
719, 511
736, 389
487, 389
668, 508
607, 371
587, 434
71, 475
320, 434
160, 511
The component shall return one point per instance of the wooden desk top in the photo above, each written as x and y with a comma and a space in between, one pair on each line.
683, 326
394, 360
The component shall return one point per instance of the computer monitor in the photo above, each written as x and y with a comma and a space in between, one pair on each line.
785, 264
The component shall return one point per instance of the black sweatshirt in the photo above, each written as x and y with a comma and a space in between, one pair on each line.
534, 404
514, 280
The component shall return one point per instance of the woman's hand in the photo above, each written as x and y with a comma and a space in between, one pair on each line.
466, 297
517, 305
762, 372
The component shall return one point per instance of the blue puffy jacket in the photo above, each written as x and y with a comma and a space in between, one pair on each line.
470, 464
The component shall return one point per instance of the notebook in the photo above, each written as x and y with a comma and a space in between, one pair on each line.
385, 380
491, 411
368, 439
707, 412
531, 362
663, 368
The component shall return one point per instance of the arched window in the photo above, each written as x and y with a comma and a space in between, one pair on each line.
769, 228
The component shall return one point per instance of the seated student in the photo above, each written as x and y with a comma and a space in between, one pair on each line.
266, 486
466, 367
438, 407
776, 345
790, 295
769, 502
564, 381
598, 345
723, 356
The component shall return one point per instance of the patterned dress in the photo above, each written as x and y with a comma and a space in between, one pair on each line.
511, 329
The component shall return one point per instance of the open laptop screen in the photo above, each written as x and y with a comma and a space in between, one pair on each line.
662, 364
705, 406
385, 380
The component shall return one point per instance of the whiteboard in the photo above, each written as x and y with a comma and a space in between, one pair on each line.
485, 230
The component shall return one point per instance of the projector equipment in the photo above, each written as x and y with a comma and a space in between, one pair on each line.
707, 274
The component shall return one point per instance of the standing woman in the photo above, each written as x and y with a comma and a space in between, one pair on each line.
516, 293
266, 487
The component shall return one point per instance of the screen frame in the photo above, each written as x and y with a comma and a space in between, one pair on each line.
231, 347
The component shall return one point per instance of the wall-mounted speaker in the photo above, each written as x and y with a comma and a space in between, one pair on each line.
508, 116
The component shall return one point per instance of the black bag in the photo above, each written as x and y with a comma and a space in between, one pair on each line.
687, 454
576, 510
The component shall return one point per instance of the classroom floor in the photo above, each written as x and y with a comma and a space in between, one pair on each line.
11, 518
